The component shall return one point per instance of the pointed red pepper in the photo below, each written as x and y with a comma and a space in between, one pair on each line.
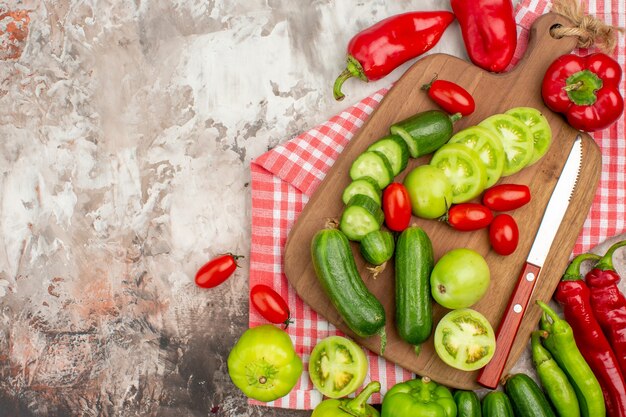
573, 295
609, 303
379, 49
585, 89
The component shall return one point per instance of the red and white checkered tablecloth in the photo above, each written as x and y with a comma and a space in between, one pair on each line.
284, 178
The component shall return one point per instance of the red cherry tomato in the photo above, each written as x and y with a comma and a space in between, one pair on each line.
217, 270
269, 304
469, 216
503, 234
451, 97
505, 197
397, 207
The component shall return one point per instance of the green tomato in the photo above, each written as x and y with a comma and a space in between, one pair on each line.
464, 339
263, 363
460, 278
429, 190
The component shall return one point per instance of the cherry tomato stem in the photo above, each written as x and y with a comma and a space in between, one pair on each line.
270, 304
450, 96
217, 270
396, 207
469, 216
506, 197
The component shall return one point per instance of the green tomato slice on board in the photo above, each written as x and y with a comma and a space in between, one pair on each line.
488, 147
516, 139
463, 168
464, 339
263, 363
539, 127
337, 366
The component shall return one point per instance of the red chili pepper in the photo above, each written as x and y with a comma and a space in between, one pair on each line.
573, 295
450, 96
609, 303
376, 51
585, 89
489, 32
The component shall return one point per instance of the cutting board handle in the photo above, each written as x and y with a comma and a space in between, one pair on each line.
543, 47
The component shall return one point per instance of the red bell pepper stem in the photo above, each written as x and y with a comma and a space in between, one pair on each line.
379, 49
609, 303
573, 295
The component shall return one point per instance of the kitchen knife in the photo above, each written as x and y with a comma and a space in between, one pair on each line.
489, 376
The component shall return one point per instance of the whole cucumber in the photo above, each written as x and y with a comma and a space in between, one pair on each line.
527, 398
425, 132
467, 404
497, 404
337, 273
414, 262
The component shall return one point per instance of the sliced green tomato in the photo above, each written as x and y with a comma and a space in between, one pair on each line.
463, 168
464, 339
539, 127
337, 366
516, 139
488, 147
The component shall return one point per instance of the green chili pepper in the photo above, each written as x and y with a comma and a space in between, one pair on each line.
561, 344
553, 379
349, 407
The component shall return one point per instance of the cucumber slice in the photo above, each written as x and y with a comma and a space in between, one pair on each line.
396, 151
539, 127
372, 164
425, 132
366, 186
361, 216
377, 247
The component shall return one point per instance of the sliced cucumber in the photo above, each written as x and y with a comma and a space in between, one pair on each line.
425, 132
372, 164
377, 247
396, 151
366, 186
361, 216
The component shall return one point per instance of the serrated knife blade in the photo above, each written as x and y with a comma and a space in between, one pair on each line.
489, 376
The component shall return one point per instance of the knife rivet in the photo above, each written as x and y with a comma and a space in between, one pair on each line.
517, 308
530, 276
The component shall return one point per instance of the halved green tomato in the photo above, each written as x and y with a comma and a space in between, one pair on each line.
337, 366
539, 127
463, 168
464, 339
488, 147
516, 139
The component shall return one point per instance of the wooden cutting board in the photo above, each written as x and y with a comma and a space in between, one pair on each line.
494, 93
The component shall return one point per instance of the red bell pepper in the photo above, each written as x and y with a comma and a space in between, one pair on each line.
573, 295
489, 31
585, 89
379, 49
609, 304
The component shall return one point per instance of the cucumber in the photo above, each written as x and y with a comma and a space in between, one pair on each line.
467, 404
497, 404
361, 216
336, 272
425, 132
366, 186
372, 164
396, 151
414, 262
527, 398
377, 247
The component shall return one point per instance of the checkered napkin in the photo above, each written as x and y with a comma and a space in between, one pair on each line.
284, 178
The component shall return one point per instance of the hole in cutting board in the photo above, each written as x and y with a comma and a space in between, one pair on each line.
553, 28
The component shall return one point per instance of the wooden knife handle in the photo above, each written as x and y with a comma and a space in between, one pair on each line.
489, 376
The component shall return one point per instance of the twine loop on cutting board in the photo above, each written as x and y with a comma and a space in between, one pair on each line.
588, 29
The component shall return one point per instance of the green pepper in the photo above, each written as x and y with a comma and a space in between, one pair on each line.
419, 397
554, 381
347, 407
561, 344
